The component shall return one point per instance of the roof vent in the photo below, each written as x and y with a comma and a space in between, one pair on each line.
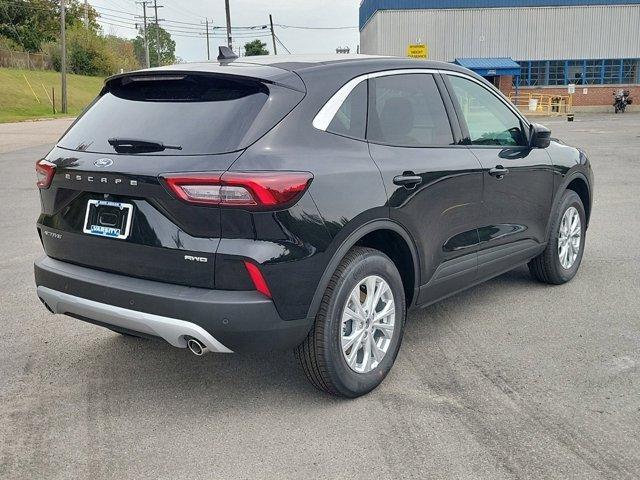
225, 53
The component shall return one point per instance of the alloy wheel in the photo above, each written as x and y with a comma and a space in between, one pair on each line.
368, 322
569, 238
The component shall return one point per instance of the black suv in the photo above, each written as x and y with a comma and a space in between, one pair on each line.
307, 202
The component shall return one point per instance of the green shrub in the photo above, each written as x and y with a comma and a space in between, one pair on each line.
8, 44
89, 53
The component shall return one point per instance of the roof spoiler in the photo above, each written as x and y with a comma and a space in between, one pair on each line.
225, 53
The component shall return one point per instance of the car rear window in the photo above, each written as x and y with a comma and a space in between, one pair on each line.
200, 114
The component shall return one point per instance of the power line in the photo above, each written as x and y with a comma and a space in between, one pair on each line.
246, 27
300, 27
118, 25
184, 10
177, 28
183, 35
196, 33
258, 26
107, 9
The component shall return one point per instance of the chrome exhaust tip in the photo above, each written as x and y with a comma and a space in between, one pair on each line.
197, 347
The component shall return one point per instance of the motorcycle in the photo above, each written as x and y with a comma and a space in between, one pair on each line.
621, 99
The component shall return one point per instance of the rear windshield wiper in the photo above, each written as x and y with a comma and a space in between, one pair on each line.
132, 145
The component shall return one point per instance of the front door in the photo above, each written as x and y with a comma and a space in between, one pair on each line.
434, 185
518, 179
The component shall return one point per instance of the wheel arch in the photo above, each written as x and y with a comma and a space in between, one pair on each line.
576, 182
579, 184
381, 235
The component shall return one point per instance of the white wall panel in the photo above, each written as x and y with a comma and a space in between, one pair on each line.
545, 33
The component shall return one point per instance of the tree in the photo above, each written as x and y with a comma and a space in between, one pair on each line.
123, 53
257, 47
91, 53
31, 23
167, 46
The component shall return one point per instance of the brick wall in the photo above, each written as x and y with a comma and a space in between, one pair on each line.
597, 95
506, 82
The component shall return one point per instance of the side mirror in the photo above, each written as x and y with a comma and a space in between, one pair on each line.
540, 136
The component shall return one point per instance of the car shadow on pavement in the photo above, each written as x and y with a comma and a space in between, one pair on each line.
153, 369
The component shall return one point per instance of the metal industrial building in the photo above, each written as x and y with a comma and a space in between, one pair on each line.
592, 43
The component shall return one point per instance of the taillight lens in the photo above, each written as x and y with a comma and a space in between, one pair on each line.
45, 171
247, 189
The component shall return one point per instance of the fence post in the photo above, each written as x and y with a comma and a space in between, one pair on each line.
53, 99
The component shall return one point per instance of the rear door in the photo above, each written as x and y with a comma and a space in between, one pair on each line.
434, 185
518, 179
108, 207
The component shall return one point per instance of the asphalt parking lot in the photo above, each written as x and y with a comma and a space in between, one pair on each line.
511, 379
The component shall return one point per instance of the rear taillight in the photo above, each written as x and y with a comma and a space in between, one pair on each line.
246, 189
44, 171
258, 280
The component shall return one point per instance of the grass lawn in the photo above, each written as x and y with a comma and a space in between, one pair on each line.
18, 102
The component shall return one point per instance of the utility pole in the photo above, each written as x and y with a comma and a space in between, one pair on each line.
155, 7
63, 59
206, 23
86, 14
229, 42
146, 40
144, 30
273, 36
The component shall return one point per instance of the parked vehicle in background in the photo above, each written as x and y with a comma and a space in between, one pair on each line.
300, 202
621, 99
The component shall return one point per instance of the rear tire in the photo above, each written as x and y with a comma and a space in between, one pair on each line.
560, 261
330, 362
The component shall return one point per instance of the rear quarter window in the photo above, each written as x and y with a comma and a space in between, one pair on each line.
202, 114
351, 118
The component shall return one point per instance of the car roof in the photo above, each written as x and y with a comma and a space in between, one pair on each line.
285, 69
295, 63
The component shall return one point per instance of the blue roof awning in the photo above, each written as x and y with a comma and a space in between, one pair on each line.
490, 66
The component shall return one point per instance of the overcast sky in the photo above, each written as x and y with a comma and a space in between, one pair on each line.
191, 46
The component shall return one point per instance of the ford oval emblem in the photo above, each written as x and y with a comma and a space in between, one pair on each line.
103, 162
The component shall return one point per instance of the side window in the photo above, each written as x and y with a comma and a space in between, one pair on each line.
351, 118
407, 110
490, 121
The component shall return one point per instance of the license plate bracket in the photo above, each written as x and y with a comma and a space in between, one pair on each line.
105, 218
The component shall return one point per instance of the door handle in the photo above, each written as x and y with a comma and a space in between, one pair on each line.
408, 179
498, 171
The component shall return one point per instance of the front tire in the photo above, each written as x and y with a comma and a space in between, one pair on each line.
358, 329
561, 259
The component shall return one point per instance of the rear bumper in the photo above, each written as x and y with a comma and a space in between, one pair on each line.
225, 321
